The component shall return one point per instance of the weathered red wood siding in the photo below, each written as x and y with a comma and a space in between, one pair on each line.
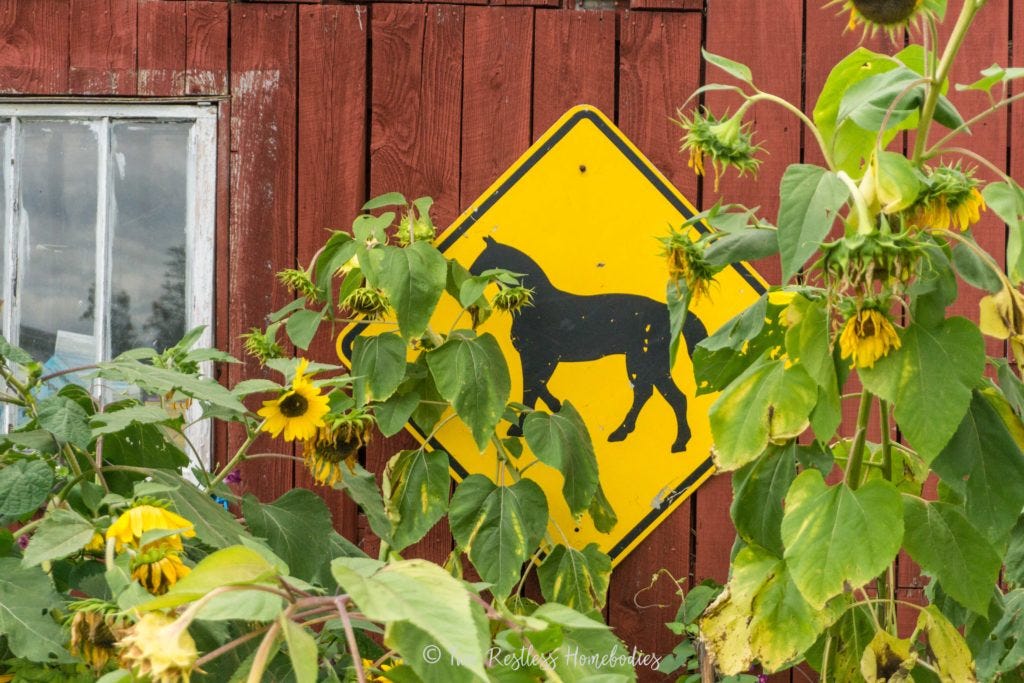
325, 105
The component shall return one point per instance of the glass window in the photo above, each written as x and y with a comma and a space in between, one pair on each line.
108, 231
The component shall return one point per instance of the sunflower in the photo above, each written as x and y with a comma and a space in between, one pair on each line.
159, 650
951, 199
892, 16
384, 667
868, 336
337, 441
298, 411
146, 515
686, 264
727, 142
95, 629
158, 566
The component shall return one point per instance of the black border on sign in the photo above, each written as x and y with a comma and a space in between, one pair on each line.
470, 220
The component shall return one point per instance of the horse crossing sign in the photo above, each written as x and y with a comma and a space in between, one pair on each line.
579, 215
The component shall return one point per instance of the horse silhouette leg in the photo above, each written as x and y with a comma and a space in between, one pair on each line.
642, 391
677, 399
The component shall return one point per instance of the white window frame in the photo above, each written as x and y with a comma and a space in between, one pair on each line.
200, 224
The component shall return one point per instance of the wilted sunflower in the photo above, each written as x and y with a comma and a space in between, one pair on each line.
158, 649
868, 336
158, 566
891, 16
146, 515
951, 199
95, 628
686, 263
728, 142
513, 299
337, 441
298, 411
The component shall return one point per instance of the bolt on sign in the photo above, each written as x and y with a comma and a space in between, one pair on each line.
579, 216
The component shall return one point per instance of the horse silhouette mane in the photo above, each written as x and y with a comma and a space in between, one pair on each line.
561, 327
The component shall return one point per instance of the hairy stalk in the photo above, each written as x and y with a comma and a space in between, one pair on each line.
238, 457
965, 126
768, 97
350, 637
856, 461
956, 39
262, 658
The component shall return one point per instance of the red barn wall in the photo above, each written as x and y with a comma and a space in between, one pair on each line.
325, 105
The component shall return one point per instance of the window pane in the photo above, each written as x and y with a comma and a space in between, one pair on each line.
148, 215
58, 166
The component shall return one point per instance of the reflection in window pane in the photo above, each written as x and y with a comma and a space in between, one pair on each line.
148, 214
58, 167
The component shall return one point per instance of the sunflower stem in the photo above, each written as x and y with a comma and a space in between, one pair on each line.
956, 39
856, 461
865, 222
887, 471
768, 97
238, 457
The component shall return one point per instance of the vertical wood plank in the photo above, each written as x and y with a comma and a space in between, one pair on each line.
416, 110
161, 48
1016, 141
34, 46
262, 224
206, 60
222, 266
569, 4
332, 139
574, 63
659, 66
103, 47
414, 148
748, 33
496, 95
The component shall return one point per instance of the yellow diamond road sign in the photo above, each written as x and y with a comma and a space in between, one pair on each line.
579, 215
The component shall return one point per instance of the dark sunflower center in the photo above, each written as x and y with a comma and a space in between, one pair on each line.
867, 328
293, 405
337, 450
886, 11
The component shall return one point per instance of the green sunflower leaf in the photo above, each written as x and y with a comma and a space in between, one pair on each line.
759, 488
733, 68
576, 578
413, 278
836, 537
378, 365
498, 526
26, 598
416, 485
24, 486
561, 441
810, 199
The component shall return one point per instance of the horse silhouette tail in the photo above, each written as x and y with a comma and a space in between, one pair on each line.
693, 332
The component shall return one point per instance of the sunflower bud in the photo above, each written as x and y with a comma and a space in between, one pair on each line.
728, 142
422, 230
262, 345
513, 299
367, 301
299, 282
159, 649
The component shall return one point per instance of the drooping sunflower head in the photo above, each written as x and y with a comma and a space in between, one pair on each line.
372, 303
159, 649
337, 441
158, 566
687, 265
148, 514
95, 628
298, 412
262, 345
727, 142
513, 299
867, 337
891, 16
951, 199
419, 229
300, 282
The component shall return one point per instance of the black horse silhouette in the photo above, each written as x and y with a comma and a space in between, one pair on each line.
561, 327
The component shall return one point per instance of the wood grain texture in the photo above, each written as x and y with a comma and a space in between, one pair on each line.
749, 33
496, 94
574, 63
416, 113
103, 55
685, 5
206, 59
567, 4
414, 148
162, 50
332, 146
659, 65
262, 222
1016, 141
34, 46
